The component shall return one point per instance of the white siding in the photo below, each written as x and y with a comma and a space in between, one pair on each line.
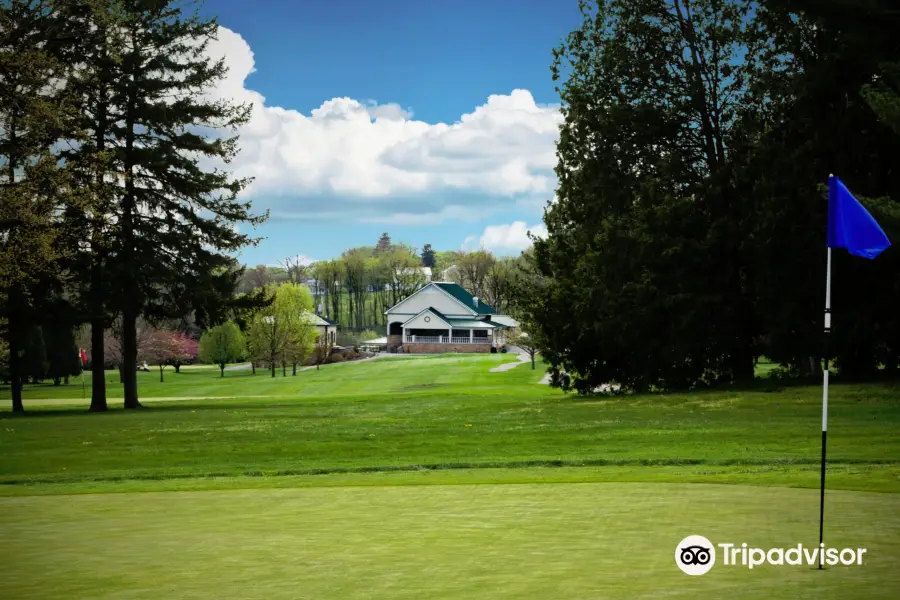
419, 322
428, 296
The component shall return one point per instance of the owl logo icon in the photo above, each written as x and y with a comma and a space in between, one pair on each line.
695, 555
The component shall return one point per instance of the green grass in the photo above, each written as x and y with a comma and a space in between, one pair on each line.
432, 477
385, 374
573, 541
438, 413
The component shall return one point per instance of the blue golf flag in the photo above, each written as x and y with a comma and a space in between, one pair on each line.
850, 225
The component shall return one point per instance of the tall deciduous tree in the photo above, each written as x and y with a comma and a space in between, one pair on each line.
280, 332
651, 274
472, 270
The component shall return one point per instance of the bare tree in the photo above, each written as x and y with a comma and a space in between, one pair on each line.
472, 270
498, 284
114, 345
524, 338
296, 268
259, 277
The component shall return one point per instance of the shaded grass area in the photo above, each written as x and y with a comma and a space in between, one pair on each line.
860, 477
609, 540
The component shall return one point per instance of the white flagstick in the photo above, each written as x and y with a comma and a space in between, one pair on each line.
825, 401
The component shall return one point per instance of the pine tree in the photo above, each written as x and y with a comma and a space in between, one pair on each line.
174, 216
427, 256
384, 243
97, 54
36, 112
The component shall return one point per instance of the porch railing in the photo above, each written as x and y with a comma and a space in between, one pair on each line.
443, 339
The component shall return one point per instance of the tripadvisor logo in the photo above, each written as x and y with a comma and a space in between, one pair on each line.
696, 555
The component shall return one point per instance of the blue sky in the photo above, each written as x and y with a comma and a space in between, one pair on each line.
375, 116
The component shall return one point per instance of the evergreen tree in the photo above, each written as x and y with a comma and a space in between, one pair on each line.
174, 216
427, 256
97, 54
828, 79
36, 112
34, 357
62, 352
384, 243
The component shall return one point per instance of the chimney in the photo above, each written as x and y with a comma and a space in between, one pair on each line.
475, 301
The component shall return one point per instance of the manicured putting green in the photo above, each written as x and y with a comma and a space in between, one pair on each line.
540, 541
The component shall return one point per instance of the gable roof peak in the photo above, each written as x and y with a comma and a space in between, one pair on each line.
462, 295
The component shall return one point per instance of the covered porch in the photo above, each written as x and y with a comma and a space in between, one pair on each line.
431, 327
448, 336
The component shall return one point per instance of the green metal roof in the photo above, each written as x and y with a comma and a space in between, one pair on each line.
470, 323
439, 313
460, 293
462, 322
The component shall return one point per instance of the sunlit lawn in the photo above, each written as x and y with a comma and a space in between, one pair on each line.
435, 478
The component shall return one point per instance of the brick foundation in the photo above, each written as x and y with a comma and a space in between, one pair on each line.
445, 348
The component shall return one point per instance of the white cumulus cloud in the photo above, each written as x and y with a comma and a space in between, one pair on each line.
376, 162
503, 239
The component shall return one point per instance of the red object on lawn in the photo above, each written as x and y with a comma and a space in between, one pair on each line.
83, 356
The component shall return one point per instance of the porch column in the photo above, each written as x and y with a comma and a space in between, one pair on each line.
471, 336
450, 338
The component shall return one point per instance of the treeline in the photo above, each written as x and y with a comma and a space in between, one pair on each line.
356, 288
114, 206
689, 234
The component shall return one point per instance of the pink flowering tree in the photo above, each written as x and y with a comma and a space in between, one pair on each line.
161, 348
186, 352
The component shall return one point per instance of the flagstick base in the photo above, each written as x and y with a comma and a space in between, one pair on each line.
822, 495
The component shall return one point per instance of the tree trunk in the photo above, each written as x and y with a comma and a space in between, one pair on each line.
252, 368
56, 381
130, 300
178, 367
160, 373
814, 364
272, 366
742, 365
222, 370
283, 368
15, 368
295, 369
96, 295
66, 380
98, 360
532, 361
129, 354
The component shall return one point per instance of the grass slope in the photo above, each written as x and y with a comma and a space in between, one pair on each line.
439, 413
